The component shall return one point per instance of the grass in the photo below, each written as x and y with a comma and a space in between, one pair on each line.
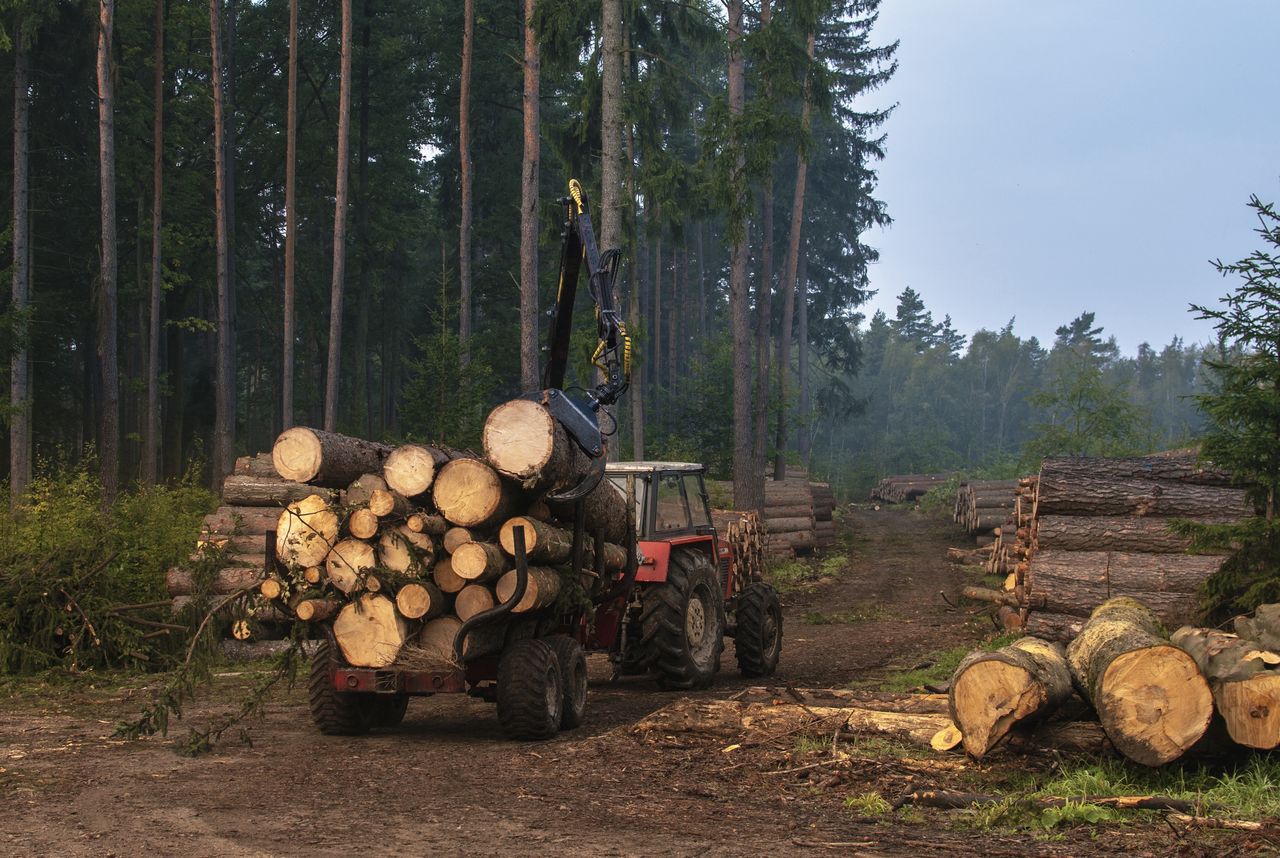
868, 804
935, 669
793, 576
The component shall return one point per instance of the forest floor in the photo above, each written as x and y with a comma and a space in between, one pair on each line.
445, 781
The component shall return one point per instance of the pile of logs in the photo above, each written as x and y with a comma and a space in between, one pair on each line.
824, 505
742, 532
789, 522
984, 505
906, 487
1154, 695
1088, 529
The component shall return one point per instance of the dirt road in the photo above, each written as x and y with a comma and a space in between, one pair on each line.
446, 783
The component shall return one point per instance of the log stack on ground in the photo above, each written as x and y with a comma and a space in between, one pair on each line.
788, 518
984, 505
903, 488
742, 532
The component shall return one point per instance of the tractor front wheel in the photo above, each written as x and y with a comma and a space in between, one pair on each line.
682, 622
336, 713
530, 691
757, 635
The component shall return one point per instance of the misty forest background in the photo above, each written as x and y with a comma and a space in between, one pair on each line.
740, 165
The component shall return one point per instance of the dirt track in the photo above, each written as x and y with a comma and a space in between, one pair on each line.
446, 783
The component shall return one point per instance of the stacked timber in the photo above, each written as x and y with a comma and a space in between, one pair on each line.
1155, 696
902, 488
824, 505
425, 539
742, 532
1089, 529
984, 505
788, 518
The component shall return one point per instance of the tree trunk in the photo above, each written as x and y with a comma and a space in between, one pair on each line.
364, 373
362, 524
746, 495
1107, 533
420, 600
1075, 582
611, 124
243, 490
361, 490
19, 370
469, 493
991, 692
322, 458
316, 610
455, 538
1263, 626
339, 228
224, 384
764, 298
444, 576
529, 205
465, 166
151, 427
1151, 698
369, 631
1099, 495
524, 442
1244, 682
432, 525
402, 550
471, 600
436, 641
290, 222
180, 582
633, 303
804, 439
541, 592
543, 543
789, 275
109, 416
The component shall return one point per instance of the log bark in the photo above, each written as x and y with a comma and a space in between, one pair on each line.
1074, 582
1179, 466
1244, 682
349, 563
421, 522
402, 550
370, 632
471, 600
262, 491
180, 582
362, 524
1150, 696
788, 525
240, 520
541, 592
543, 543
479, 562
469, 493
1263, 626
305, 532
1080, 495
991, 692
604, 511
420, 600
412, 468
446, 579
800, 540
256, 466
436, 639
316, 610
525, 443
788, 510
455, 538
322, 458
1108, 533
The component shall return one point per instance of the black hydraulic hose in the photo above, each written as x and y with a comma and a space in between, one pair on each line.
498, 611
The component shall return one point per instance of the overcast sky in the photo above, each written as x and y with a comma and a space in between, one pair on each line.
1048, 157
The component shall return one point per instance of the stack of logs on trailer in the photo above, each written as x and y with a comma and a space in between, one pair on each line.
798, 515
902, 488
1089, 529
982, 506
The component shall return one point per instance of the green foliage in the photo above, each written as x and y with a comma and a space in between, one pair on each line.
442, 399
936, 668
793, 575
71, 572
868, 804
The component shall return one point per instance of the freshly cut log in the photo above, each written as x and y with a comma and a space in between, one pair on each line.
305, 532
245, 520
1159, 573
370, 632
1108, 533
1054, 627
543, 543
1150, 696
402, 550
411, 468
788, 511
383, 503
233, 545
800, 540
471, 600
180, 582
525, 443
604, 512
1244, 681
1263, 626
1079, 495
455, 537
271, 588
479, 562
446, 579
349, 563
256, 466
542, 590
1177, 466
325, 458
421, 522
789, 525
313, 574
362, 524
991, 692
436, 639
262, 491
420, 600
361, 489
469, 493
316, 610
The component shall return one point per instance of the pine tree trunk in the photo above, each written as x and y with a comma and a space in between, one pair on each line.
364, 373
764, 304
529, 205
745, 494
224, 384
633, 304
804, 437
151, 429
611, 124
1060, 494
19, 370
465, 166
789, 277
339, 228
290, 222
109, 415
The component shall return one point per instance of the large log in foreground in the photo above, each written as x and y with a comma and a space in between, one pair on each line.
305, 532
991, 692
524, 442
1244, 681
370, 631
1150, 696
322, 458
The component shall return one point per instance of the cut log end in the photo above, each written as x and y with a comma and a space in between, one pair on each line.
410, 470
520, 439
298, 454
1154, 704
994, 696
370, 632
1251, 710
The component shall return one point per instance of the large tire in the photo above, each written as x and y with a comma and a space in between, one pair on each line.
682, 622
573, 679
388, 710
530, 693
757, 634
336, 713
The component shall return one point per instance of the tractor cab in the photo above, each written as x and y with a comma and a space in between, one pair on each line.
671, 498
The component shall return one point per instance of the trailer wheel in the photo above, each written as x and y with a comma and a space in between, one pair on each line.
388, 710
530, 693
336, 713
682, 621
757, 635
573, 677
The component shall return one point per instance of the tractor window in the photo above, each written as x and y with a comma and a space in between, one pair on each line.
673, 511
697, 505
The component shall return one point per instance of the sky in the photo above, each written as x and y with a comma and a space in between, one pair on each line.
1048, 157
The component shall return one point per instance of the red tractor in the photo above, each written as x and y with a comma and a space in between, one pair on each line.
667, 612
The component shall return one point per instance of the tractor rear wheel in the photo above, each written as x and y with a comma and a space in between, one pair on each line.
530, 692
388, 710
573, 678
682, 622
757, 636
336, 713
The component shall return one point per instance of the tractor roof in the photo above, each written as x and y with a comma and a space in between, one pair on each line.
650, 467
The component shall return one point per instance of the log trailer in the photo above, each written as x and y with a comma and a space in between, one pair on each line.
666, 612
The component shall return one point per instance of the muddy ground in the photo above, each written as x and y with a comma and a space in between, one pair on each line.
445, 782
